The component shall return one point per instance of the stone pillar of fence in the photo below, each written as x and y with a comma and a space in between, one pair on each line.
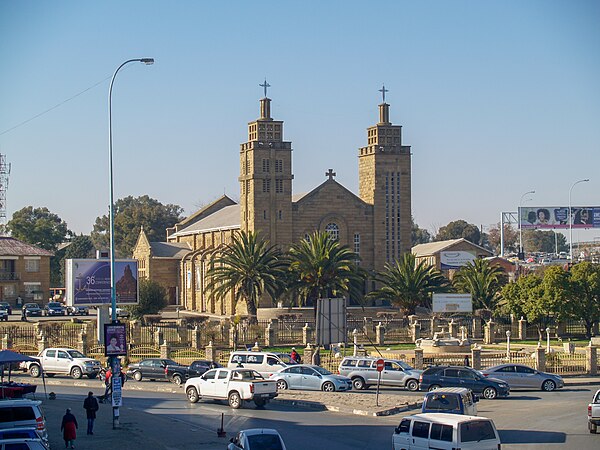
477, 331
6, 342
540, 358
164, 350
271, 334
211, 354
476, 357
591, 359
82, 345
368, 326
522, 329
433, 327
489, 336
453, 328
136, 332
196, 338
412, 319
159, 336
307, 334
307, 354
415, 330
233, 336
42, 342
419, 358
380, 334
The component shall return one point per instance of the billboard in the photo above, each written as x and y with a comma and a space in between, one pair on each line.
550, 217
455, 260
452, 303
88, 281
331, 320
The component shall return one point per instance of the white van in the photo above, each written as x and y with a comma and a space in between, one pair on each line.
445, 432
264, 363
450, 400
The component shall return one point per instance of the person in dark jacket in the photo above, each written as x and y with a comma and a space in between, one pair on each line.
90, 404
69, 429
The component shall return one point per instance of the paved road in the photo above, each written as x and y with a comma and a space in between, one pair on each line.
528, 420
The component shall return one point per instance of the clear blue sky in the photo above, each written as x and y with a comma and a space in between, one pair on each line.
495, 98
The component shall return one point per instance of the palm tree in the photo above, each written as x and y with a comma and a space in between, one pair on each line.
248, 267
323, 268
483, 281
408, 284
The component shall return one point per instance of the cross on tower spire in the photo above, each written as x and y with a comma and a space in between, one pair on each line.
383, 90
265, 85
330, 173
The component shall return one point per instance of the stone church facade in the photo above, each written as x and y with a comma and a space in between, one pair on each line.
376, 223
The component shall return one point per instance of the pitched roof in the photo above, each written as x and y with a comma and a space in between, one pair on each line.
432, 248
10, 246
169, 249
226, 218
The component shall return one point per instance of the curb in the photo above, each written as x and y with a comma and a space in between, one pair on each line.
380, 413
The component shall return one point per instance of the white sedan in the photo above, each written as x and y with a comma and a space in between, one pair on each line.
257, 439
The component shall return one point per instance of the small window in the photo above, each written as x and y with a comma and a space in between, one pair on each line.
210, 375
222, 375
238, 358
23, 413
476, 431
452, 373
364, 363
51, 353
279, 186
441, 432
420, 429
333, 230
404, 426
309, 371
266, 166
255, 359
349, 363
466, 374
63, 355
295, 370
32, 265
16, 446
506, 369
526, 370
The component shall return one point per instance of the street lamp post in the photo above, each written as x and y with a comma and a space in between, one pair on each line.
508, 345
114, 361
571, 218
519, 218
547, 340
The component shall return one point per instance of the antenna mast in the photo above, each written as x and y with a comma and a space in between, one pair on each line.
4, 173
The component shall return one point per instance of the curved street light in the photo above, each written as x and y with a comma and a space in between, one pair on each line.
571, 218
520, 229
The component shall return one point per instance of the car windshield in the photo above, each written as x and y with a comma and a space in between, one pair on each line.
75, 354
54, 305
404, 365
441, 402
31, 305
264, 442
322, 371
477, 430
247, 375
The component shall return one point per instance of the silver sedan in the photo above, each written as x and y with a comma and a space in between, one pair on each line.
518, 376
309, 377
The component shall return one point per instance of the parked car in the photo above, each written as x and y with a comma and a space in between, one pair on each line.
6, 306
23, 413
460, 376
3, 314
363, 372
257, 439
594, 413
309, 377
264, 363
151, 368
78, 310
445, 431
180, 373
450, 401
23, 444
120, 312
66, 361
54, 309
32, 309
233, 385
519, 376
22, 433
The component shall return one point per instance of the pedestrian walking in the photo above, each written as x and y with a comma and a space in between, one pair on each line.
69, 429
90, 404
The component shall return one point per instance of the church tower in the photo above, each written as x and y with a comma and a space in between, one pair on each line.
384, 172
266, 178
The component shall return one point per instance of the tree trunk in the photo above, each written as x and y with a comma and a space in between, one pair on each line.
252, 312
589, 324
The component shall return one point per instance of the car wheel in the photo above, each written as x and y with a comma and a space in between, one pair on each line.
490, 393
177, 379
412, 385
548, 385
76, 373
328, 387
281, 385
235, 401
35, 371
192, 394
433, 387
137, 376
358, 383
260, 402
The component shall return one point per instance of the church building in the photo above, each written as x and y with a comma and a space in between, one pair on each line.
375, 224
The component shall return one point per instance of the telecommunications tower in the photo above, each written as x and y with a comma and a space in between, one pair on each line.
4, 173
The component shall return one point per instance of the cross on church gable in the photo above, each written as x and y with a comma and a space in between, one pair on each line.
265, 85
383, 90
330, 173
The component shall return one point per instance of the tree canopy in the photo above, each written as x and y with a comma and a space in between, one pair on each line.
483, 281
544, 241
419, 235
131, 213
459, 229
38, 226
152, 298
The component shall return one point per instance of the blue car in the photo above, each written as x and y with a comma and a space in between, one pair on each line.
465, 377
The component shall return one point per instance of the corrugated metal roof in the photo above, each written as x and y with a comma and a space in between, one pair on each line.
169, 249
431, 248
10, 246
225, 218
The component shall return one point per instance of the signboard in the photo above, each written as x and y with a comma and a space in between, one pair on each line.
551, 217
115, 339
88, 281
455, 260
452, 303
380, 365
117, 397
331, 320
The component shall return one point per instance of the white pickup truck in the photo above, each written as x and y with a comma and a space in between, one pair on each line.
233, 385
62, 361
594, 413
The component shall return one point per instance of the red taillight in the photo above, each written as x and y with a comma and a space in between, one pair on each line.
421, 378
39, 421
486, 374
165, 370
589, 410
252, 388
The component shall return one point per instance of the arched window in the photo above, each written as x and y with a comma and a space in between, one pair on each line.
333, 231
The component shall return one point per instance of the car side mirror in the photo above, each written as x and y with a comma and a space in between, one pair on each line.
397, 430
231, 440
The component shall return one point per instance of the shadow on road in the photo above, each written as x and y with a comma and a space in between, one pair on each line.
532, 437
523, 397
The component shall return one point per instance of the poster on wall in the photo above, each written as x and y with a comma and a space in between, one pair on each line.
551, 217
455, 260
115, 339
